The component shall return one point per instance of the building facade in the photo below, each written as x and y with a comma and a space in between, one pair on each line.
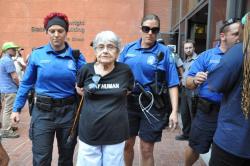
201, 20
22, 20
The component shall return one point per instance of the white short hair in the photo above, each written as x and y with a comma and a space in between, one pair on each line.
106, 36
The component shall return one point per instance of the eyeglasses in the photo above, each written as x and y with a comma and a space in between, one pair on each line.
228, 22
109, 47
154, 30
92, 87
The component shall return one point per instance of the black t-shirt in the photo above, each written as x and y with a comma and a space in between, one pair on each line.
104, 117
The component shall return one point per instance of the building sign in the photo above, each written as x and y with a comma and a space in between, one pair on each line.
76, 26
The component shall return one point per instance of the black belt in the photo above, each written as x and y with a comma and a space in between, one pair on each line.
207, 106
55, 102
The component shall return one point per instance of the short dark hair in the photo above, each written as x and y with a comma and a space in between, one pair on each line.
150, 17
226, 23
189, 41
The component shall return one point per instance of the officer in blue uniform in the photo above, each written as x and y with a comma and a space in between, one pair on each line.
52, 70
231, 145
155, 72
205, 121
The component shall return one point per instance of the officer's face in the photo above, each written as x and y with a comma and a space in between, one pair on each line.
106, 52
149, 37
188, 49
57, 35
232, 35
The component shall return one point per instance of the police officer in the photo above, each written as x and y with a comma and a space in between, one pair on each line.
205, 121
52, 69
146, 58
231, 145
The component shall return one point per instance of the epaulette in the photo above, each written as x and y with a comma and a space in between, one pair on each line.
37, 48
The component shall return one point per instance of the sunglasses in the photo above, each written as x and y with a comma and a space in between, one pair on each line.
228, 22
154, 30
92, 87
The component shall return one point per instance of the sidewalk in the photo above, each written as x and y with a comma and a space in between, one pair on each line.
168, 152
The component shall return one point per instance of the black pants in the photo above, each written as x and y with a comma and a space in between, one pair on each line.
43, 127
186, 111
219, 157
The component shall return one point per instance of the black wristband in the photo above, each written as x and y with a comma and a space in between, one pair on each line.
195, 83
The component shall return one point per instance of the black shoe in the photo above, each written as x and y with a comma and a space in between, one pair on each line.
181, 137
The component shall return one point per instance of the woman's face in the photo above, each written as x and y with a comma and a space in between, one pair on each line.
149, 36
57, 36
106, 52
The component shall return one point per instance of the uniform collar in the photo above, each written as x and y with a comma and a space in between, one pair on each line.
153, 49
49, 49
217, 50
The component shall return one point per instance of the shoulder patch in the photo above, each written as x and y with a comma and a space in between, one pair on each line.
151, 60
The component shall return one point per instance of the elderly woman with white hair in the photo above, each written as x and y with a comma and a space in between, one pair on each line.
103, 125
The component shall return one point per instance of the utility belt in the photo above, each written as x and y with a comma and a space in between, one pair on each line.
47, 103
207, 106
161, 99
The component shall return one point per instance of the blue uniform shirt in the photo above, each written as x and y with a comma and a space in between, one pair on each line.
144, 62
52, 73
233, 130
206, 62
7, 85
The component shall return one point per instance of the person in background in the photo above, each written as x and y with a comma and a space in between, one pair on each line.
19, 63
175, 56
187, 96
205, 121
231, 145
51, 70
103, 125
155, 73
9, 83
177, 59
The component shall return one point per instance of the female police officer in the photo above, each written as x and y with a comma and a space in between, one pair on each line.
149, 60
52, 70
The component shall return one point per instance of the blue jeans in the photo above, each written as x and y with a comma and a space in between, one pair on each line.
43, 127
